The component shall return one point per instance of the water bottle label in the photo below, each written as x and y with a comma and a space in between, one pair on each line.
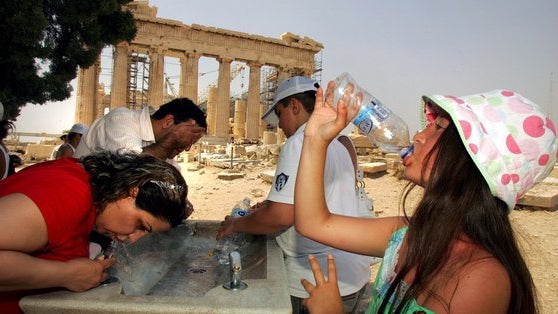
380, 111
239, 212
363, 120
374, 112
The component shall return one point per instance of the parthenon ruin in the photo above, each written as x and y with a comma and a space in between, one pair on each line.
158, 37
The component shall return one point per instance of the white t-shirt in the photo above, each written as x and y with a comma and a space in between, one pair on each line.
120, 129
353, 270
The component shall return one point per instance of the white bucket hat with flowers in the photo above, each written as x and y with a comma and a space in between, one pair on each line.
512, 142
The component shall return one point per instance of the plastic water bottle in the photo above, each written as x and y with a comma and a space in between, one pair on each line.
241, 208
232, 242
375, 120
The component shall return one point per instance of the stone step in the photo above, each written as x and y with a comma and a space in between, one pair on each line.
267, 176
373, 167
543, 195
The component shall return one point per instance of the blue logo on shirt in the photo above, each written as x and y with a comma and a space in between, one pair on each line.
281, 181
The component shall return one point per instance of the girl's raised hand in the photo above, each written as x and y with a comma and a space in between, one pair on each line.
328, 120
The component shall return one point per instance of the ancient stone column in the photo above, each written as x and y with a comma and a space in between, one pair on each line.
223, 98
211, 106
283, 73
88, 79
269, 138
281, 137
189, 76
239, 130
253, 105
119, 86
263, 124
156, 84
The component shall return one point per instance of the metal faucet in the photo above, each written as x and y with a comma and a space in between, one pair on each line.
236, 270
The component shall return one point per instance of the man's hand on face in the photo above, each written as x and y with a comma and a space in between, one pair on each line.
187, 133
181, 137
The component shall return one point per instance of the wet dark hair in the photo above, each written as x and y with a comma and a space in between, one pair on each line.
457, 200
162, 189
182, 109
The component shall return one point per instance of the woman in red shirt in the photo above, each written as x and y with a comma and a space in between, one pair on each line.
48, 210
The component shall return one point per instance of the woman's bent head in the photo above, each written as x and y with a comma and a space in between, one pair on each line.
135, 193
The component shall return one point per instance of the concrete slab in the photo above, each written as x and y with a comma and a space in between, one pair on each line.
267, 176
543, 195
266, 296
373, 167
228, 175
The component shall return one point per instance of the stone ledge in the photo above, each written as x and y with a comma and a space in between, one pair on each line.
543, 195
373, 167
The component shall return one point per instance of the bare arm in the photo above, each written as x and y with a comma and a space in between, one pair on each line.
24, 231
482, 286
64, 151
267, 218
359, 235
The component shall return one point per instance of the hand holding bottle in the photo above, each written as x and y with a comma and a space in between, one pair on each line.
329, 118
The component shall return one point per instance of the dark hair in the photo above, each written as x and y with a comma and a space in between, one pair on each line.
72, 135
307, 99
6, 126
182, 109
453, 205
162, 189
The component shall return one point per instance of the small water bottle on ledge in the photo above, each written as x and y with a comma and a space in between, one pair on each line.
241, 208
375, 120
233, 241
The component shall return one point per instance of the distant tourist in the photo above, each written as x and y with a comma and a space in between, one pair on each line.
64, 139
68, 149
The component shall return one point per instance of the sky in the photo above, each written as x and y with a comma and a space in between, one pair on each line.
396, 50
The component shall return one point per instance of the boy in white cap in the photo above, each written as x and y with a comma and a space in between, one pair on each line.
74, 137
291, 107
457, 252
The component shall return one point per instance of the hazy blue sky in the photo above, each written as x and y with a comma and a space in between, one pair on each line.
397, 50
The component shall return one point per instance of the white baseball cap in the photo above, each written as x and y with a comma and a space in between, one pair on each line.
289, 87
79, 128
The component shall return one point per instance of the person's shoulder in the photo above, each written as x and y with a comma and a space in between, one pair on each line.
119, 111
482, 282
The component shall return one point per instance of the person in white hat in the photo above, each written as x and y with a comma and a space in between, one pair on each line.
456, 252
291, 107
73, 138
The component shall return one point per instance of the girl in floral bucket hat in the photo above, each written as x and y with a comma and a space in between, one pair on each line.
457, 252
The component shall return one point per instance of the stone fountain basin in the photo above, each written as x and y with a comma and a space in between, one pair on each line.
191, 283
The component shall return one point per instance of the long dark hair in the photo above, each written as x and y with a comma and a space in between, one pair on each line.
457, 201
162, 189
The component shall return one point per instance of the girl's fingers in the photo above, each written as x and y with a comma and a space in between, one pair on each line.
317, 270
331, 269
307, 286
